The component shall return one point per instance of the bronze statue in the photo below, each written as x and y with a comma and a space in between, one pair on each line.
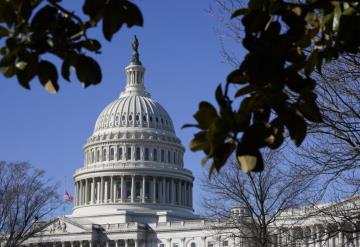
135, 55
135, 44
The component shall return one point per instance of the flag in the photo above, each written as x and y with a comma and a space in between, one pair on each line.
68, 197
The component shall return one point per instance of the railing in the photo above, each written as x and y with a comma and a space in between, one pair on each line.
126, 165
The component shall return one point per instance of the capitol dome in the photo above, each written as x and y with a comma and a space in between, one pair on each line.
133, 161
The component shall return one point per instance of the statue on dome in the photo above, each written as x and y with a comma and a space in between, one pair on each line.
135, 56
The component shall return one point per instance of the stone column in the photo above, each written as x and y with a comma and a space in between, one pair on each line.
154, 190
106, 191
75, 196
143, 189
133, 189
112, 187
163, 195
123, 191
72, 243
182, 242
179, 192
86, 191
98, 192
116, 243
203, 241
340, 238
62, 244
107, 243
81, 243
90, 243
80, 193
136, 242
191, 195
93, 191
102, 189
126, 242
173, 191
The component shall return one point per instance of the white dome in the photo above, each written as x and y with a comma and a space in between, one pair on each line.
133, 161
139, 111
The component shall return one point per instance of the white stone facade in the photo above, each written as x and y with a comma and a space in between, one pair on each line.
133, 189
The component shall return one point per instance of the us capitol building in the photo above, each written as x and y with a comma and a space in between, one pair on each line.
133, 189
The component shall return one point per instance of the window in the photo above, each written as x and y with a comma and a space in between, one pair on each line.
162, 156
119, 154
130, 117
137, 156
137, 189
146, 154
175, 245
169, 157
128, 153
225, 243
97, 155
174, 158
161, 245
210, 244
103, 154
112, 151
193, 245
92, 157
128, 189
155, 155
144, 118
137, 117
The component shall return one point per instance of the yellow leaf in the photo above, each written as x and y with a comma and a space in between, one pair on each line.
49, 86
247, 162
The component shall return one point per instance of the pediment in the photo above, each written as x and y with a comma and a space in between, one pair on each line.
61, 226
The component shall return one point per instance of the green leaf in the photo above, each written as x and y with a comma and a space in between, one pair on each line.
91, 44
310, 111
205, 115
48, 76
249, 158
199, 142
311, 62
93, 8
44, 18
221, 155
297, 127
245, 90
117, 13
8, 71
239, 12
237, 77
65, 69
3, 31
88, 70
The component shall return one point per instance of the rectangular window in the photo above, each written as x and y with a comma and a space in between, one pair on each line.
174, 158
137, 156
162, 156
128, 189
225, 243
210, 244
112, 151
146, 154
137, 189
120, 153
155, 155
169, 157
103, 154
128, 153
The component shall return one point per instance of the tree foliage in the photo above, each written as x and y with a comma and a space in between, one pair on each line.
26, 198
285, 42
31, 29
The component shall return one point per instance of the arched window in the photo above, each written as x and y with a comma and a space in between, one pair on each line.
137, 155
112, 152
155, 155
193, 245
146, 154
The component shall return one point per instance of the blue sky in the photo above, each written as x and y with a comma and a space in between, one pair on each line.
181, 53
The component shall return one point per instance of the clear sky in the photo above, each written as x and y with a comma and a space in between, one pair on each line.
181, 53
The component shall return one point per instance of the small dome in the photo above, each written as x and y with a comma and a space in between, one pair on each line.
134, 111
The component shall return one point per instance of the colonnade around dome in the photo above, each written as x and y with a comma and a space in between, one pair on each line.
133, 189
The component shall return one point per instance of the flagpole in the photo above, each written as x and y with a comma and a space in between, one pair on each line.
64, 207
